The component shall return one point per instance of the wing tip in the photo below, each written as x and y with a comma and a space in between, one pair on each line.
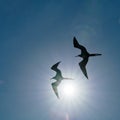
55, 65
74, 39
75, 42
87, 77
55, 90
83, 68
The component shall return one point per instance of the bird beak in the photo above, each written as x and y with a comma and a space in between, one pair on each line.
77, 56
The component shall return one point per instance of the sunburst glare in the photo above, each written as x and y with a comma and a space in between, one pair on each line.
68, 90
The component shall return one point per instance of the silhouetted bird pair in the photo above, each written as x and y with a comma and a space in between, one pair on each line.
84, 54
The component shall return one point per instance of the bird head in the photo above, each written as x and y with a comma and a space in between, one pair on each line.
78, 56
52, 78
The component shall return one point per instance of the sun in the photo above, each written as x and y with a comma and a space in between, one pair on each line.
68, 90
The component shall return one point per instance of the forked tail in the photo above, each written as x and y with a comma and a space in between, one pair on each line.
95, 54
68, 78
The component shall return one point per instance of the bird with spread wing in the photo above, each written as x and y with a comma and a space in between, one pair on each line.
85, 55
58, 77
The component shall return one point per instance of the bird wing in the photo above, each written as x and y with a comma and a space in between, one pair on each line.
77, 45
54, 67
82, 65
54, 86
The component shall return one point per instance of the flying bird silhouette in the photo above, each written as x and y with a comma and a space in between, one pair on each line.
58, 77
84, 54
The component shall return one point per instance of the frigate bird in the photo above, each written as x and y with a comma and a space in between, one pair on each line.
58, 77
84, 54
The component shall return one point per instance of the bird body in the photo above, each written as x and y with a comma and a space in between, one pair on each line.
84, 54
58, 77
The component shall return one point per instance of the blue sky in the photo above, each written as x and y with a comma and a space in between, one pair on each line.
35, 34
